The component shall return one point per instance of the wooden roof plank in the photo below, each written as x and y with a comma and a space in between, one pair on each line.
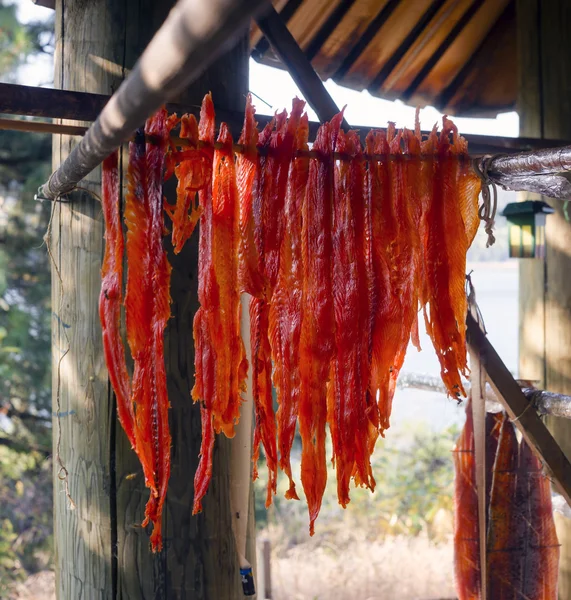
450, 91
456, 30
406, 44
328, 28
365, 39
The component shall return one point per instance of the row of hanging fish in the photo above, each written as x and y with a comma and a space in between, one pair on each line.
342, 249
522, 550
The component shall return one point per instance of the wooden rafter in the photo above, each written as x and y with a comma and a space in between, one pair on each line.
439, 53
365, 39
298, 65
328, 28
406, 44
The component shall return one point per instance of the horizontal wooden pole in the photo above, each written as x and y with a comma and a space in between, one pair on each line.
57, 128
546, 403
81, 106
521, 411
41, 127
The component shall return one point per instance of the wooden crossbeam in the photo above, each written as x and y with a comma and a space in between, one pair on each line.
81, 106
299, 66
365, 39
406, 44
440, 51
521, 411
328, 28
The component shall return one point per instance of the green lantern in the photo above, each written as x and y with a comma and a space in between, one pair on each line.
527, 228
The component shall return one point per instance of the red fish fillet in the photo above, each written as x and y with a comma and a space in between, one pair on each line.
247, 172
395, 258
204, 389
231, 363
539, 554
192, 172
269, 201
347, 396
466, 529
286, 308
451, 221
503, 572
220, 361
317, 342
111, 298
147, 310
265, 427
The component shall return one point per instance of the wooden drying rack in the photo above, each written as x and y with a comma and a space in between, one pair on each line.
538, 163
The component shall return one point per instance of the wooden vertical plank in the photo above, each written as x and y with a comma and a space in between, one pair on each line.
531, 272
554, 23
545, 287
84, 536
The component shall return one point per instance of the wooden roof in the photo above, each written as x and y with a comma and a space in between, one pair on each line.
457, 55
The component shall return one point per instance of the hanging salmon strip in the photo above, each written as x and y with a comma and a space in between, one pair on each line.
538, 555
111, 298
347, 394
504, 571
193, 172
317, 342
247, 172
395, 260
268, 206
220, 361
205, 320
286, 308
231, 363
451, 224
147, 310
466, 528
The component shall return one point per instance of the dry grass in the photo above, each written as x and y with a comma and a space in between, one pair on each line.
397, 568
40, 586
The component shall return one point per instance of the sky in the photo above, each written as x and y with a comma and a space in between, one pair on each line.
276, 88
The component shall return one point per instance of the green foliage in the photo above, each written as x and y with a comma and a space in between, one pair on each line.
18, 41
25, 515
414, 478
25, 348
24, 282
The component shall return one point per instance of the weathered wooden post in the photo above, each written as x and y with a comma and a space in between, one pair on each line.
101, 551
545, 287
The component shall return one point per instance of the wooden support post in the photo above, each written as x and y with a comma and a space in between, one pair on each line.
545, 286
101, 550
267, 570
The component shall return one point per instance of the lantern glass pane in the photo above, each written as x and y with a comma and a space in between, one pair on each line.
527, 242
515, 241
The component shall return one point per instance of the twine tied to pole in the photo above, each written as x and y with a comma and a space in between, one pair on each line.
488, 208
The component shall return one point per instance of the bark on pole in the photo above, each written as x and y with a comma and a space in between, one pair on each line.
101, 550
545, 286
